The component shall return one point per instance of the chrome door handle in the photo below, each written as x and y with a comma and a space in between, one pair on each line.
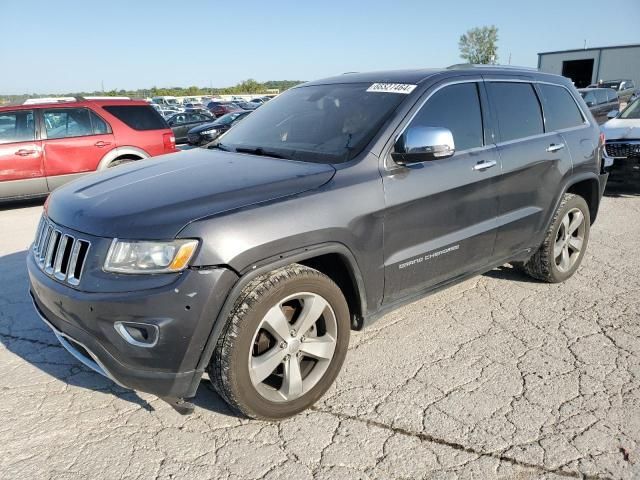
554, 147
480, 166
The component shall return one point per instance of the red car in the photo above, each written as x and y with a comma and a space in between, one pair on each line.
219, 109
45, 145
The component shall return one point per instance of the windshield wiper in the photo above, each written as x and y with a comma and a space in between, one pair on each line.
217, 146
260, 151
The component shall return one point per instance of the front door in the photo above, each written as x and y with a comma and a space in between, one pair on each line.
440, 215
21, 169
76, 140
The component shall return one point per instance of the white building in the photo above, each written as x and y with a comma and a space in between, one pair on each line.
586, 66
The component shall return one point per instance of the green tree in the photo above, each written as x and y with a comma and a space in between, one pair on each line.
479, 45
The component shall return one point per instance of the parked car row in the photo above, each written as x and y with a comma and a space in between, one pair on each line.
600, 101
43, 146
625, 89
208, 132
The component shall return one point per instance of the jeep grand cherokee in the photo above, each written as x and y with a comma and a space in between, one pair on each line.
332, 204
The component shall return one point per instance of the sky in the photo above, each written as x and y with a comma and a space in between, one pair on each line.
72, 45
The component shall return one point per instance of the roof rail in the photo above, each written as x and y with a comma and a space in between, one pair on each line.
461, 66
35, 101
105, 97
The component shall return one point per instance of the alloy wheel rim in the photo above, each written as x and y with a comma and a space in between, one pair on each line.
569, 240
293, 347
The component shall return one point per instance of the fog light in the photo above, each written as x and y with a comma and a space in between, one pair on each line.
138, 334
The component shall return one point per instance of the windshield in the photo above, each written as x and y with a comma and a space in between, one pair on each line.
632, 111
321, 123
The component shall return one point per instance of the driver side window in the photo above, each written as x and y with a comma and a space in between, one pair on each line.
456, 107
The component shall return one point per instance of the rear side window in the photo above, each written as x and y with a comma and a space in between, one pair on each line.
138, 117
456, 107
517, 108
601, 96
100, 127
560, 110
67, 122
17, 126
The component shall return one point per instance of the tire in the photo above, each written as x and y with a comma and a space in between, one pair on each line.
260, 336
546, 264
121, 161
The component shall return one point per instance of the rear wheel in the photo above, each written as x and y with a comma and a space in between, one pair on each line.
283, 345
122, 161
564, 246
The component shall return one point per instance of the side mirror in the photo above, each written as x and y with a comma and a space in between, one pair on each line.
613, 114
422, 144
590, 103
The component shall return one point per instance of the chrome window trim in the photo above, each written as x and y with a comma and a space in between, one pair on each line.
586, 123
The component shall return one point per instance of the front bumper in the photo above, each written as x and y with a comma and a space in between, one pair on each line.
623, 169
183, 313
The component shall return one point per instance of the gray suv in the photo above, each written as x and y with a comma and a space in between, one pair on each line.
330, 205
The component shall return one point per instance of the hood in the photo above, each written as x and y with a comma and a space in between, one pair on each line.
621, 129
157, 197
206, 126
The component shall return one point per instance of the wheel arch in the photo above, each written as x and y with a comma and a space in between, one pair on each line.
588, 187
120, 152
333, 259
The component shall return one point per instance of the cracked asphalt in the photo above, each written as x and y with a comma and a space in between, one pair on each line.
497, 377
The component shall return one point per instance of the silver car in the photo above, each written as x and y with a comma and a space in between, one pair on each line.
622, 147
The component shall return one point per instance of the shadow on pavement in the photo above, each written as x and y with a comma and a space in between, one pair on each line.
24, 334
621, 189
510, 273
22, 203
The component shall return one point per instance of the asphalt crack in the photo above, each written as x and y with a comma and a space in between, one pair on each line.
425, 437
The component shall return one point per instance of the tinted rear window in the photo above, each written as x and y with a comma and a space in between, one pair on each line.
560, 110
138, 117
517, 108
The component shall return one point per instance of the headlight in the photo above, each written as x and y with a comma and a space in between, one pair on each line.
132, 256
213, 131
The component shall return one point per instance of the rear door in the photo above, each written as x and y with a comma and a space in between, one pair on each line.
75, 141
533, 164
21, 167
440, 215
563, 116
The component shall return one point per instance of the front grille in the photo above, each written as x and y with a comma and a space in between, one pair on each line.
59, 254
623, 149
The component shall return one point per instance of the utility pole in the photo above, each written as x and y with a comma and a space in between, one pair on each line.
584, 46
102, 83
509, 58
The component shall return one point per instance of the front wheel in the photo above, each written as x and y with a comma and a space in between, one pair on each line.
565, 243
283, 344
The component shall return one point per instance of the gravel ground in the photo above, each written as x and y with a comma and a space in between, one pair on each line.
498, 377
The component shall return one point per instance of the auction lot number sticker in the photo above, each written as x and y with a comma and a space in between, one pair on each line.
391, 88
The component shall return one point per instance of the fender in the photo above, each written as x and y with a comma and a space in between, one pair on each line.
111, 155
271, 263
567, 185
